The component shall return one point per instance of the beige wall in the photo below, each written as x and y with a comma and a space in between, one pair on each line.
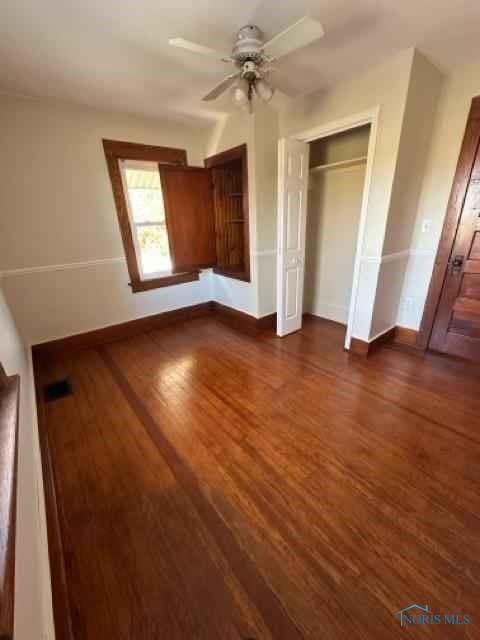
260, 132
342, 146
61, 212
449, 127
423, 92
334, 203
266, 163
33, 608
422, 100
230, 132
64, 213
385, 86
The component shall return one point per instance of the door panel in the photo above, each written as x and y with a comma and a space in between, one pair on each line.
294, 221
475, 250
457, 323
190, 217
291, 287
471, 285
292, 191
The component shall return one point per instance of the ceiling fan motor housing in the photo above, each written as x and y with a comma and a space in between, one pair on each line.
249, 45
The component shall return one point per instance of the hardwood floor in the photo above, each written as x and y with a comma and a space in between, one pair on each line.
214, 485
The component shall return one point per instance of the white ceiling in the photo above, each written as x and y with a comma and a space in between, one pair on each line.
114, 53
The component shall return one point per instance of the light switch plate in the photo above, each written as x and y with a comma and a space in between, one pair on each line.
426, 226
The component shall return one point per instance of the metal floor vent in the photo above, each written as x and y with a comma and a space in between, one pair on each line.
57, 390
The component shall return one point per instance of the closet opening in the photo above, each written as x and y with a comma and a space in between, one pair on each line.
337, 159
337, 168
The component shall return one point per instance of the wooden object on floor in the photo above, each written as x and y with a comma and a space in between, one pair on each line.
115, 332
451, 319
214, 485
9, 403
365, 349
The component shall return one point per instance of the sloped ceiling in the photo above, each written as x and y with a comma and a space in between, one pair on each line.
115, 55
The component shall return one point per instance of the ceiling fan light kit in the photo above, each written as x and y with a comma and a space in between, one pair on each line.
264, 90
252, 57
240, 92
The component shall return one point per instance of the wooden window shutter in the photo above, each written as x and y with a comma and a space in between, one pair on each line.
189, 215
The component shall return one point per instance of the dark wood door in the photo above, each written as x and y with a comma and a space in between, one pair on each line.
190, 216
456, 328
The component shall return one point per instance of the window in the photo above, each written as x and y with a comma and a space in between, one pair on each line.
175, 219
146, 211
134, 171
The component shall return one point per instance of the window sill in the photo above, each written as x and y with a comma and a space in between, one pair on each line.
164, 281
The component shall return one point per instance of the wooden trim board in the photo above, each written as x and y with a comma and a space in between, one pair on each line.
90, 339
9, 407
402, 337
406, 336
62, 614
365, 349
243, 321
233, 317
95, 338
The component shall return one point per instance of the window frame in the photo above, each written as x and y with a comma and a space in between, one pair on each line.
115, 152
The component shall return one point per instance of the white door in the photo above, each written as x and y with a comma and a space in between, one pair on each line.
292, 214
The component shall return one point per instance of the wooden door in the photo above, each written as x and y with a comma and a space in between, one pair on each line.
229, 221
456, 329
230, 180
292, 213
190, 217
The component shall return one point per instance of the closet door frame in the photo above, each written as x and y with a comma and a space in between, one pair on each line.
369, 117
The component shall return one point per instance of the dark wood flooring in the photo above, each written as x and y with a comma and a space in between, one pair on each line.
213, 485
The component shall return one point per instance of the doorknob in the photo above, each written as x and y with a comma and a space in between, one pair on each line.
457, 264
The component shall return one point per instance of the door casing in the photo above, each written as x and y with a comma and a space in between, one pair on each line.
353, 121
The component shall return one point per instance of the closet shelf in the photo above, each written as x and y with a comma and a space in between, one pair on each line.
236, 221
341, 164
235, 195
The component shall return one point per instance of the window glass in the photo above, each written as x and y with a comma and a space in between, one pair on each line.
148, 219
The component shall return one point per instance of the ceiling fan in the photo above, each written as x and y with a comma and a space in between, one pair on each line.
252, 57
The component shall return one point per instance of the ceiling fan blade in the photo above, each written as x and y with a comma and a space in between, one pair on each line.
222, 86
296, 36
181, 43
